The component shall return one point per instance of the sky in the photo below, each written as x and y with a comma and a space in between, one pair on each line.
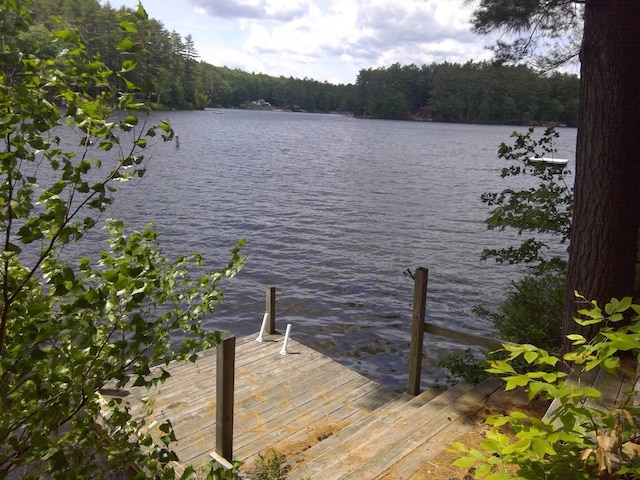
324, 40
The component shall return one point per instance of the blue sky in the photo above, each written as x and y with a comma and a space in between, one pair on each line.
326, 40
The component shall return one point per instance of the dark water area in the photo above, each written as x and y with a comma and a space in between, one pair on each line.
333, 210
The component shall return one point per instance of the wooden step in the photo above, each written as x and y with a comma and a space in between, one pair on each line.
348, 449
323, 421
424, 439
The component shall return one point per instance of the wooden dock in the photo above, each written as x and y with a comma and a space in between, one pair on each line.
327, 420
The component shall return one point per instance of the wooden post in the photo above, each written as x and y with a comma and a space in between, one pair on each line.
271, 308
417, 330
225, 379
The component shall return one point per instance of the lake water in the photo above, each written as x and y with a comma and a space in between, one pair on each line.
333, 210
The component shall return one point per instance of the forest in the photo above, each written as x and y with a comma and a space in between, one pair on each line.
171, 76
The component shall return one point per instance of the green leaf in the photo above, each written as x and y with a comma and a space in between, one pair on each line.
585, 322
611, 363
530, 356
516, 381
465, 462
483, 470
132, 87
128, 65
141, 13
499, 476
625, 304
590, 392
189, 474
131, 119
576, 339
128, 27
542, 447
616, 317
127, 45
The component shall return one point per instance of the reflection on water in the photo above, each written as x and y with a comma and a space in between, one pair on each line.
333, 210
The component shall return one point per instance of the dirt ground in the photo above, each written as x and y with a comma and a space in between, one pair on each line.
441, 469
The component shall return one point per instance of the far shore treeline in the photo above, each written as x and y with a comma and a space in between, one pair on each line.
172, 77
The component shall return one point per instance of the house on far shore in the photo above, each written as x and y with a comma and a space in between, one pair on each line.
262, 103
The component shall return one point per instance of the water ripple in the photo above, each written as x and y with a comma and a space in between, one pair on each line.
333, 210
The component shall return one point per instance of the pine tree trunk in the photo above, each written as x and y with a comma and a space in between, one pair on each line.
606, 218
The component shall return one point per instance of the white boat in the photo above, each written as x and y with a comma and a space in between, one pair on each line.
557, 162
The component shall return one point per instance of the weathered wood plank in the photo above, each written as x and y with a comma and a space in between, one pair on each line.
418, 460
358, 444
288, 408
199, 378
246, 419
410, 433
332, 422
320, 423
295, 410
463, 337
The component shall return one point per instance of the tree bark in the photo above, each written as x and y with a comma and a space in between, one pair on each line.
606, 218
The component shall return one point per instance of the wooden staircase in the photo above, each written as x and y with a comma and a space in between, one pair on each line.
397, 440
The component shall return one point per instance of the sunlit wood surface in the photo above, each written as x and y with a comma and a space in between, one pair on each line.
329, 421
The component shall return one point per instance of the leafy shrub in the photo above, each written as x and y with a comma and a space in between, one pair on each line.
542, 209
532, 311
579, 440
69, 329
468, 367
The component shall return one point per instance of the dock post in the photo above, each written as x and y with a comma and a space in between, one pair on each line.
271, 308
225, 366
417, 330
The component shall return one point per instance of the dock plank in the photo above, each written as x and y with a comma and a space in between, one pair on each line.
323, 416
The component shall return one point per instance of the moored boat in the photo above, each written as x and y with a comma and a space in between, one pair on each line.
557, 162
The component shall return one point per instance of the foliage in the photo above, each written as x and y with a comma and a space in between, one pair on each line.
550, 26
69, 329
465, 367
542, 209
473, 92
170, 75
270, 466
532, 311
582, 438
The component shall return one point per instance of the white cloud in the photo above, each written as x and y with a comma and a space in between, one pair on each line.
280, 10
323, 39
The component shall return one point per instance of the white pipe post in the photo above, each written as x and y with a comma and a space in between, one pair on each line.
262, 328
286, 340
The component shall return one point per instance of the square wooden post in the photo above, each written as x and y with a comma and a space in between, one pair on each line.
271, 309
225, 379
417, 330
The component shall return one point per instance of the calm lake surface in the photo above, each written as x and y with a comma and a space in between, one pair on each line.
333, 210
